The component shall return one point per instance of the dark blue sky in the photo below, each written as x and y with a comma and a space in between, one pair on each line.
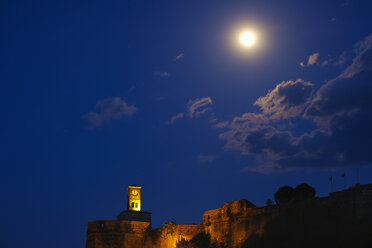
98, 95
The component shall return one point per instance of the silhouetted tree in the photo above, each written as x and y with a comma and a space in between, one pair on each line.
284, 194
303, 192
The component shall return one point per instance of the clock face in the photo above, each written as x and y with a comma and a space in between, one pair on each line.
134, 192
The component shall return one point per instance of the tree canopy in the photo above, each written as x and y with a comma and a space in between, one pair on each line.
284, 194
303, 192
287, 194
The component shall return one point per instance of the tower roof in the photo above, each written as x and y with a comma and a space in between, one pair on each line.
133, 185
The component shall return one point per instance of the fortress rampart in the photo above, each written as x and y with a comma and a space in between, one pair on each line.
136, 234
116, 233
341, 220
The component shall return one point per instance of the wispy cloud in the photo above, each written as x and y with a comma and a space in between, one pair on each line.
338, 61
213, 119
311, 60
195, 108
176, 117
205, 158
162, 73
179, 56
222, 124
109, 109
198, 106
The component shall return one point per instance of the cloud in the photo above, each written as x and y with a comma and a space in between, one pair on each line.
176, 117
363, 61
345, 56
240, 127
350, 92
311, 60
195, 108
341, 111
213, 119
205, 158
221, 124
179, 56
288, 99
340, 61
363, 45
198, 107
161, 74
109, 109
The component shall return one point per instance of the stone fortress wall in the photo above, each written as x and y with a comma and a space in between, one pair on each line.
239, 220
236, 221
113, 233
136, 234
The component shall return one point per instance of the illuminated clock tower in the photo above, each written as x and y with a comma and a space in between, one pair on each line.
134, 198
134, 212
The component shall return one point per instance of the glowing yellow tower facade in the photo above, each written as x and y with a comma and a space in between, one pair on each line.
134, 205
134, 198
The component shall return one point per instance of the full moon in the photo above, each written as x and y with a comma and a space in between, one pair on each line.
247, 39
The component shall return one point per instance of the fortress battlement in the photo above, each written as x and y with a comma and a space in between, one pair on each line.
342, 217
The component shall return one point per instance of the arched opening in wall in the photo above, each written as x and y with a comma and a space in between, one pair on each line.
136, 205
132, 204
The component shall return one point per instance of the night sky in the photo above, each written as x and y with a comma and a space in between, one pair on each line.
99, 95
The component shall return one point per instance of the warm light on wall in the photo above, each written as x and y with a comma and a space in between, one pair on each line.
134, 198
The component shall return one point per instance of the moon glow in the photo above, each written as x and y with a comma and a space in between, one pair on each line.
247, 39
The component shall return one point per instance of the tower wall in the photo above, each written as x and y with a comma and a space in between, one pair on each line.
134, 198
